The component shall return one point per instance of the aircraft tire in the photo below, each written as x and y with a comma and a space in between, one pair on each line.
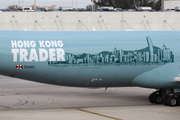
151, 97
178, 99
157, 98
165, 100
172, 101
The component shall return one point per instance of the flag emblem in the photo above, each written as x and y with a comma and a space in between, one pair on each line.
19, 66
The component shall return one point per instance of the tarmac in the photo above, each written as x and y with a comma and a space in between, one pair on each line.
25, 100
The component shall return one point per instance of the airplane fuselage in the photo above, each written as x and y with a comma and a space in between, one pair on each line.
92, 59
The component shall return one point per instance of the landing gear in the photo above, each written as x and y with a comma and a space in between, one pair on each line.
171, 99
156, 97
165, 100
178, 101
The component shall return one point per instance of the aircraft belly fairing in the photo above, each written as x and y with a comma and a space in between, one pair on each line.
161, 77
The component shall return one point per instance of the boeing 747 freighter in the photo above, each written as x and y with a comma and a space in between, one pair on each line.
149, 59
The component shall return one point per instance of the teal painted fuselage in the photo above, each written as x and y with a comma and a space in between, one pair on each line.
93, 59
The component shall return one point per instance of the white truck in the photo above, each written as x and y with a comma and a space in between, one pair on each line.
144, 9
177, 8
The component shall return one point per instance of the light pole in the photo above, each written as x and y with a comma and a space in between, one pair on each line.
76, 5
34, 5
162, 5
92, 5
72, 4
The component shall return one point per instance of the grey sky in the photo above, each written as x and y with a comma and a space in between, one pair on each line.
25, 3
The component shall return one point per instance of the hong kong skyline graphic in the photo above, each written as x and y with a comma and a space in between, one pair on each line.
149, 55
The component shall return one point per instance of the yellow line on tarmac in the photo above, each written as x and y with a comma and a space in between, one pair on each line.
82, 109
9, 108
74, 108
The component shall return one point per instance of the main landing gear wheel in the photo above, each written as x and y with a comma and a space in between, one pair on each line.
151, 97
165, 100
172, 101
178, 101
155, 97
